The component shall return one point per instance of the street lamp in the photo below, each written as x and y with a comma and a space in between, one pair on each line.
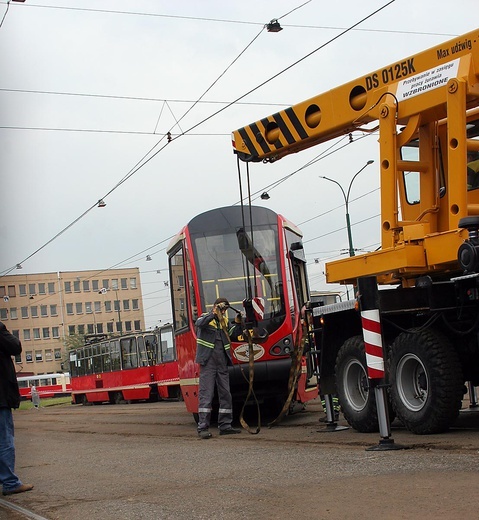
346, 203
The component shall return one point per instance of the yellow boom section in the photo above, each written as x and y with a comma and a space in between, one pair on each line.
350, 106
429, 101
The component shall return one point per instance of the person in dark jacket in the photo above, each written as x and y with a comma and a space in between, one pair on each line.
9, 398
213, 355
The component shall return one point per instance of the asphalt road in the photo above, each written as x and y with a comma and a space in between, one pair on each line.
144, 461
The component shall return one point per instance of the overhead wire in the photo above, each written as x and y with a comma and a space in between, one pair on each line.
135, 98
147, 157
5, 14
224, 20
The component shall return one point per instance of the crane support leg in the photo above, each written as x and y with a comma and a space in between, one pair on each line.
368, 296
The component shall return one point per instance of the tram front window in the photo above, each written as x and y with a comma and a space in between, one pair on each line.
226, 261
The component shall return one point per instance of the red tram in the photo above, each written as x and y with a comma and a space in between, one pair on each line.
135, 367
233, 253
47, 385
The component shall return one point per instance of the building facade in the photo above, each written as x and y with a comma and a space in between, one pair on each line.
44, 309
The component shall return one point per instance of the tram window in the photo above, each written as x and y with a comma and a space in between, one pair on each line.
115, 355
168, 351
96, 359
178, 290
73, 363
129, 352
105, 356
142, 355
151, 345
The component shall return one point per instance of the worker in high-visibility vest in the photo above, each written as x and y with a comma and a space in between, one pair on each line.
213, 355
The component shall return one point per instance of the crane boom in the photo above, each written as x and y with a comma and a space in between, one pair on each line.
353, 105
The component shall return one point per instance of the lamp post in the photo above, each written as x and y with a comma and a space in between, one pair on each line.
346, 203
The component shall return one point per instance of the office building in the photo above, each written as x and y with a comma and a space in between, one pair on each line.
45, 309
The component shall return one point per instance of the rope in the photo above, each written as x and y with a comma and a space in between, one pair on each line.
294, 372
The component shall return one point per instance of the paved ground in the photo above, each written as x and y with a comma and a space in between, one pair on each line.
144, 461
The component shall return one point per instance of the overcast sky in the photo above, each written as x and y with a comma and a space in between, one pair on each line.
86, 93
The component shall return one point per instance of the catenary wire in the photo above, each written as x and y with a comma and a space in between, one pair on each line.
140, 164
223, 20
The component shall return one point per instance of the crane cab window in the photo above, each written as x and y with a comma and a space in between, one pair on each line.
412, 186
473, 157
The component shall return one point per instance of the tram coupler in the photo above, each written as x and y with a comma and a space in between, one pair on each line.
331, 425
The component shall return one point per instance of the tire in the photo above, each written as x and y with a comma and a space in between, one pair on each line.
357, 399
426, 381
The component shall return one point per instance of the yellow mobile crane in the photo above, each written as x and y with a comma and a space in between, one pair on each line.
426, 110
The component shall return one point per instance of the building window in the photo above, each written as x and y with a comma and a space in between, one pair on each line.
86, 285
18, 358
51, 287
69, 308
117, 305
68, 287
36, 333
58, 354
124, 283
137, 325
118, 326
89, 328
22, 289
53, 310
128, 326
13, 313
97, 306
94, 285
46, 332
108, 306
48, 355
71, 330
76, 285
3, 314
29, 356
16, 333
114, 284
41, 288
43, 311
126, 305
2, 291
24, 311
81, 330
109, 326
11, 291
88, 308
132, 283
34, 311
79, 307
55, 333
99, 328
26, 334
31, 289
106, 284
135, 304
38, 355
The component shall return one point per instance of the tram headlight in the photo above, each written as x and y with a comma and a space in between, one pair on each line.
283, 348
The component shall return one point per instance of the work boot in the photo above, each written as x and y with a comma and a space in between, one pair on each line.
229, 431
19, 489
204, 434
